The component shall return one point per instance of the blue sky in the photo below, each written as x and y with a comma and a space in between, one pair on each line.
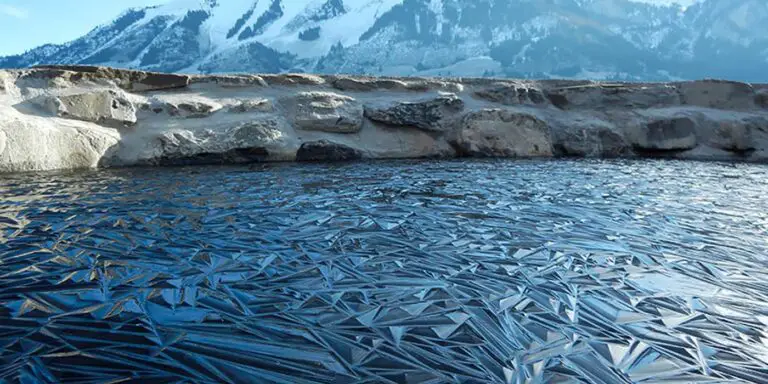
26, 24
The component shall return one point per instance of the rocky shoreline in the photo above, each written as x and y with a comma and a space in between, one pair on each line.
67, 117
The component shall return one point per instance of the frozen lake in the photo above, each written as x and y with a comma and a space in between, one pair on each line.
431, 271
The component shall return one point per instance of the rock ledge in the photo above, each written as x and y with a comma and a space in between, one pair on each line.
56, 117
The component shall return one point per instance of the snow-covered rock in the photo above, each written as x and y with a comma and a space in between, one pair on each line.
252, 105
40, 143
588, 137
502, 133
673, 134
109, 107
308, 118
324, 111
429, 115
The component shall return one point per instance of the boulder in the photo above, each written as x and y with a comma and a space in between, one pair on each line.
502, 133
106, 107
130, 80
230, 81
252, 105
149, 81
733, 136
33, 143
192, 109
717, 94
610, 143
511, 94
665, 134
761, 98
584, 140
256, 133
400, 85
182, 107
324, 111
324, 150
607, 96
428, 115
246, 143
359, 84
354, 85
293, 79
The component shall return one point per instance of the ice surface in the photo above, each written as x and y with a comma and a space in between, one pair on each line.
458, 271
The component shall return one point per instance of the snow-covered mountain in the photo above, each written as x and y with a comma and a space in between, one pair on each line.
600, 39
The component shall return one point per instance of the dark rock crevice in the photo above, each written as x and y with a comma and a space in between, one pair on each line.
324, 150
666, 135
430, 115
232, 156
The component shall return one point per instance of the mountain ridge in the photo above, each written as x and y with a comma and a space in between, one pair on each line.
594, 39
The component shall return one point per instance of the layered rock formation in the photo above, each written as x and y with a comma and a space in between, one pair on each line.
79, 117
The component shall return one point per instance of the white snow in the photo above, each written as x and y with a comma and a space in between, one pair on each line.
345, 29
436, 6
176, 8
541, 24
225, 15
474, 67
645, 27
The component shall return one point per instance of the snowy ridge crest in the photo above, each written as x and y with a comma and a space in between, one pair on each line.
600, 39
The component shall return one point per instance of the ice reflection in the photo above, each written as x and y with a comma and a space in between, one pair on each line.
492, 271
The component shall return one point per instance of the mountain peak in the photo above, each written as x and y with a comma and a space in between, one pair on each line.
602, 39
